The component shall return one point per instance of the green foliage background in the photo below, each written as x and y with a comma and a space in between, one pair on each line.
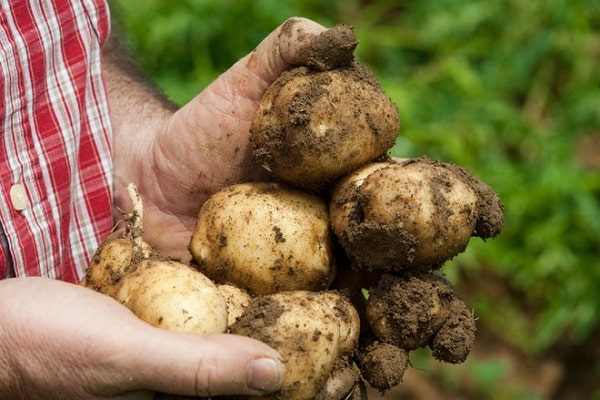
506, 88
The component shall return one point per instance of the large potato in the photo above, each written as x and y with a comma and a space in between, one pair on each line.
310, 330
173, 296
412, 214
312, 127
265, 238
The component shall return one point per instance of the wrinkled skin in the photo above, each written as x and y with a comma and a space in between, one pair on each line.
80, 344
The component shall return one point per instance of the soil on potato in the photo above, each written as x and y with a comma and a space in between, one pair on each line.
407, 311
387, 243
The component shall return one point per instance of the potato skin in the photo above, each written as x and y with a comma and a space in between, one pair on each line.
264, 238
310, 330
402, 215
113, 259
173, 296
312, 127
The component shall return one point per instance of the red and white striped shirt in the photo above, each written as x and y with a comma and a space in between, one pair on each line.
54, 137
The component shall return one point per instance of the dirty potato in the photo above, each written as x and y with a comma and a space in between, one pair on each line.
264, 238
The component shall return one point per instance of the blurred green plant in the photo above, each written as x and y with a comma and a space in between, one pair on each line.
504, 88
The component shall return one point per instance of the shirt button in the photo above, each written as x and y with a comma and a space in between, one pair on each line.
18, 196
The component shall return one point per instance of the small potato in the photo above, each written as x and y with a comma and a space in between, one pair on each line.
453, 341
264, 238
417, 213
408, 310
112, 261
173, 296
312, 127
310, 330
383, 365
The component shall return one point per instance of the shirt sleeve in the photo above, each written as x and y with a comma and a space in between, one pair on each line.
55, 155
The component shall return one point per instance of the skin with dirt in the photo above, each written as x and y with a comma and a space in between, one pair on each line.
385, 227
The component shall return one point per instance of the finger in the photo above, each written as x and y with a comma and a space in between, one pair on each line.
194, 365
298, 41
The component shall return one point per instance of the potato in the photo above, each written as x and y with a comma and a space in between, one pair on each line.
412, 214
310, 330
173, 296
312, 127
264, 238
111, 262
421, 309
236, 300
407, 311
454, 340
343, 383
383, 364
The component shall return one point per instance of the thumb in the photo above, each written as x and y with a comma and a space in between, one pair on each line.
298, 41
194, 365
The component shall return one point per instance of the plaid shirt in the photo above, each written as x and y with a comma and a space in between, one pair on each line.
55, 158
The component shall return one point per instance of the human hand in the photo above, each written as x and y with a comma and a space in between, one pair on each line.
63, 341
204, 146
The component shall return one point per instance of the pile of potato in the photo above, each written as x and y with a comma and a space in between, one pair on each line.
336, 261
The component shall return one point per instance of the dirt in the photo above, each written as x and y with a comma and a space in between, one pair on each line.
490, 209
331, 49
383, 365
408, 310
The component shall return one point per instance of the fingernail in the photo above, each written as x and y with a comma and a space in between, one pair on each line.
265, 374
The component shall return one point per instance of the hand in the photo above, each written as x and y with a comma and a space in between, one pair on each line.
204, 147
63, 341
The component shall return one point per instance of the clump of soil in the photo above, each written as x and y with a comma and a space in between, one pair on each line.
383, 364
408, 312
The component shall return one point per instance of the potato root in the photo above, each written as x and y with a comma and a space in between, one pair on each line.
416, 213
311, 331
264, 238
312, 127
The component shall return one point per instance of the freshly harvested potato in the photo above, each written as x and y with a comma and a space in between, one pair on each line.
310, 330
382, 364
111, 262
173, 296
421, 309
312, 127
416, 213
453, 342
264, 238
343, 383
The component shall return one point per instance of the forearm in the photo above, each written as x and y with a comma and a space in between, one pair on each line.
138, 112
8, 381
